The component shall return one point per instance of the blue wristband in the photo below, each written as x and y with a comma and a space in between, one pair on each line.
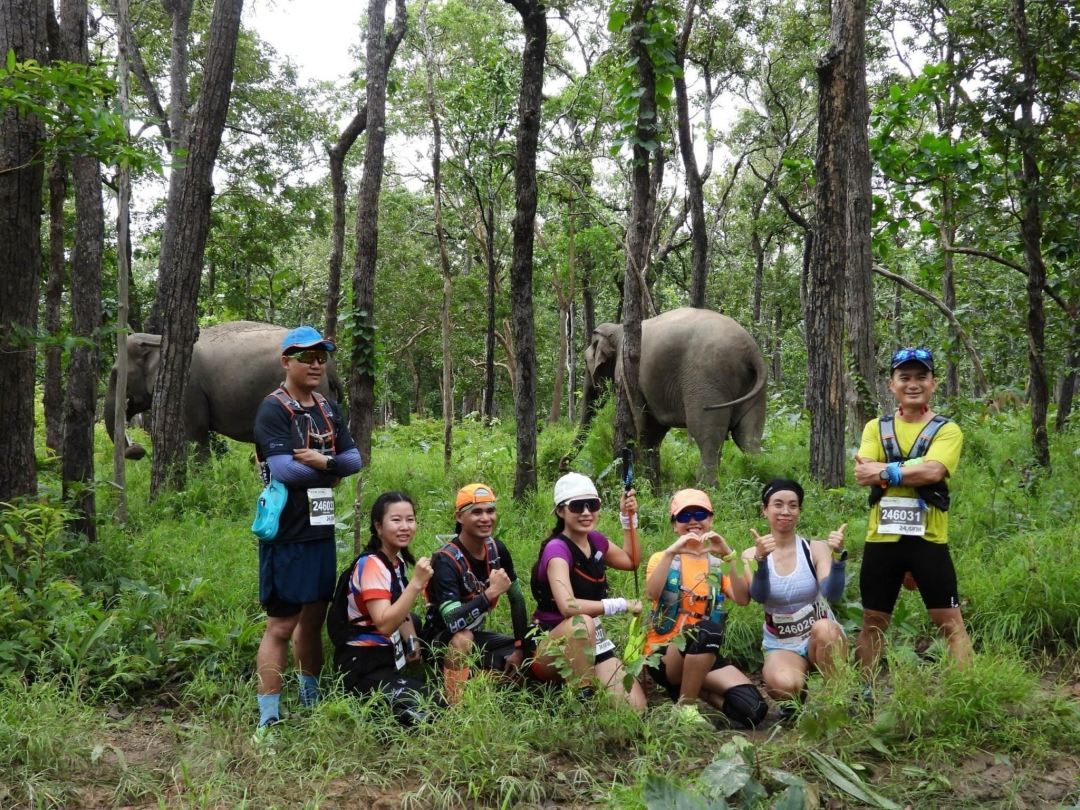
896, 475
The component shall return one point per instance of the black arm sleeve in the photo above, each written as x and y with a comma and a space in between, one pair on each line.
460, 617
519, 611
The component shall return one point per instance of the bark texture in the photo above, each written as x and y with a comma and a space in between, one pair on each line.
831, 247
53, 403
699, 237
184, 244
22, 177
80, 400
362, 380
534, 20
353, 130
1031, 230
629, 403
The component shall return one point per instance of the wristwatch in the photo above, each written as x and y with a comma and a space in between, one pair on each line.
841, 556
331, 465
884, 474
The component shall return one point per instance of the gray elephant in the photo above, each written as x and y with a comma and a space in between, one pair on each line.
233, 367
699, 370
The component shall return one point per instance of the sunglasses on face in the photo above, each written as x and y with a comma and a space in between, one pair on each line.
311, 357
904, 355
577, 507
696, 514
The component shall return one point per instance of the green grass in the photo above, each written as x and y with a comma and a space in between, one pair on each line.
160, 708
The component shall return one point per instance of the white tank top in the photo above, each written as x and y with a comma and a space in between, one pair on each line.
790, 595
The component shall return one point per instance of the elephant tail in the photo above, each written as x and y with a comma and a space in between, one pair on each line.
762, 373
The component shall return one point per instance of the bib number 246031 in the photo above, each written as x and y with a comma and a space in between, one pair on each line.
902, 516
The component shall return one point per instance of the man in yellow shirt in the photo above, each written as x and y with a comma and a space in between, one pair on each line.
905, 459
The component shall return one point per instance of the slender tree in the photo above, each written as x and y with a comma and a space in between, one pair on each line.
183, 246
22, 176
80, 400
534, 20
337, 153
123, 270
53, 400
362, 380
839, 73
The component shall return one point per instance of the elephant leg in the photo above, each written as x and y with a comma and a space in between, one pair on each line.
650, 451
198, 425
710, 431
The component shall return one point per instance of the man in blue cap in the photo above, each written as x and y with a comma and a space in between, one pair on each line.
301, 441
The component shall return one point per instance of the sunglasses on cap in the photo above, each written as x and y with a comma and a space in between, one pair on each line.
311, 356
580, 505
904, 355
692, 514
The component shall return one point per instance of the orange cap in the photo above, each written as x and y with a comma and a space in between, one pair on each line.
473, 493
689, 497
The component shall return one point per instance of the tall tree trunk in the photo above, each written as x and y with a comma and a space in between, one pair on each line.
183, 247
80, 400
1031, 230
362, 380
948, 284
630, 403
699, 237
337, 153
1069, 384
180, 16
440, 236
123, 272
22, 176
533, 16
571, 327
54, 298
830, 252
488, 404
860, 273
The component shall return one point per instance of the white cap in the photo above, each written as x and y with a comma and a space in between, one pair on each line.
573, 486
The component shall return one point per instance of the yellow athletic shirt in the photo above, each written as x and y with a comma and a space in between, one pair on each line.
945, 448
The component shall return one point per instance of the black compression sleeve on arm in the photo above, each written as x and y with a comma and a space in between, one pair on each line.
759, 585
519, 611
459, 618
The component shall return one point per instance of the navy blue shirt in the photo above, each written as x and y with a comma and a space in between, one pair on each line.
278, 434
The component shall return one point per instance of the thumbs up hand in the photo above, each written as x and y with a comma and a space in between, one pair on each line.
763, 546
836, 539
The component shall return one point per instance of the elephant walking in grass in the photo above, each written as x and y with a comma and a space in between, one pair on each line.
700, 370
233, 367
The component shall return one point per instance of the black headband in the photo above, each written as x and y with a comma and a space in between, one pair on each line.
781, 485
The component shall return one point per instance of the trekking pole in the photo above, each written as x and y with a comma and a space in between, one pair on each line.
626, 457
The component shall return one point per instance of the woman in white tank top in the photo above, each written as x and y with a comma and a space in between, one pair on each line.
795, 580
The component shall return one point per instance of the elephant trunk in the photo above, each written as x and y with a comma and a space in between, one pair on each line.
131, 451
762, 373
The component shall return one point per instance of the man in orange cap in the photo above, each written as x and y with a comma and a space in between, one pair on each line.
471, 572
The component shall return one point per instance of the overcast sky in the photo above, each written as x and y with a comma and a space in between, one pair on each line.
315, 34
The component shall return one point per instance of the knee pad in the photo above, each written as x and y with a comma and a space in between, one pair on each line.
704, 637
744, 704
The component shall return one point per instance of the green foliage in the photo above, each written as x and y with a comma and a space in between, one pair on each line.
76, 104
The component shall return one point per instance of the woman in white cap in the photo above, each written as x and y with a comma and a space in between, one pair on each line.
569, 583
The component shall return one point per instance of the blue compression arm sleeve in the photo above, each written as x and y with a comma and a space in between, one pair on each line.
348, 462
294, 474
759, 585
833, 586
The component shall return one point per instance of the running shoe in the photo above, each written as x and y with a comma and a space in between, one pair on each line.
689, 714
265, 738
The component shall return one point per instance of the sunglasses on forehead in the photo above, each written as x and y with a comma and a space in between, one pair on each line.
311, 356
579, 506
693, 514
904, 355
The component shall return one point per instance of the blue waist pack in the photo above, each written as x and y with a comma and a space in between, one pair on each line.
268, 509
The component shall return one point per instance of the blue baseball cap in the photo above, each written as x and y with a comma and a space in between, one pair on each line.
306, 337
912, 355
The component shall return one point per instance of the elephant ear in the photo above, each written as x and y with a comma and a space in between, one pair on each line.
605, 349
151, 346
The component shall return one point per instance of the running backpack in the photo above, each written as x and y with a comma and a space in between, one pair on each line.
934, 494
338, 625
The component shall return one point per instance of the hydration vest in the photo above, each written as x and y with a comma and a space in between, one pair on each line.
936, 494
293, 406
588, 576
473, 586
678, 603
339, 627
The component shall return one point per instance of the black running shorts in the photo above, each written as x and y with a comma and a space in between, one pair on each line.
884, 566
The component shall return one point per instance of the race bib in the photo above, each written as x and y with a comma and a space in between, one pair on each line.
399, 650
795, 625
603, 643
321, 506
902, 516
